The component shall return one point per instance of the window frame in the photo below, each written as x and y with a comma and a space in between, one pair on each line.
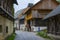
1, 29
6, 29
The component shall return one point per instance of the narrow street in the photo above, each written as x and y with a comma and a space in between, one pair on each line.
27, 36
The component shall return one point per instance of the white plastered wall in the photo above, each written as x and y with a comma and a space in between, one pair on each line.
34, 28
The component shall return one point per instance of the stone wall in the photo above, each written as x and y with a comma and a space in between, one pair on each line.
6, 23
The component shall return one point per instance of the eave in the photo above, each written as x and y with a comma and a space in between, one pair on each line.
53, 13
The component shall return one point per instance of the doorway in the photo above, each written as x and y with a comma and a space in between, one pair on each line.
29, 26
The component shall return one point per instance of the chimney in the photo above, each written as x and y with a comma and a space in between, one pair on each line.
30, 4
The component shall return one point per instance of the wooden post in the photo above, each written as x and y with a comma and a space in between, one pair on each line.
19, 24
55, 25
48, 26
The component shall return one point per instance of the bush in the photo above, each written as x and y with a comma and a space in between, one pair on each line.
11, 37
44, 34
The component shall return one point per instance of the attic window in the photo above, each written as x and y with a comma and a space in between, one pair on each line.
0, 28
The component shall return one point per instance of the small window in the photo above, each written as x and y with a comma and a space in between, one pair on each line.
0, 28
6, 29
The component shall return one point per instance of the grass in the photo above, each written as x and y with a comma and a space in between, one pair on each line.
44, 34
11, 37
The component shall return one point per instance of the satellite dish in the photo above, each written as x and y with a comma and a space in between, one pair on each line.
58, 1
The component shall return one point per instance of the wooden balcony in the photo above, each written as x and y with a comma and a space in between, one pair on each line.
7, 10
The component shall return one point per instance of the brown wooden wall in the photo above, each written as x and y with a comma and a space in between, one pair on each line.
54, 25
40, 13
46, 4
35, 14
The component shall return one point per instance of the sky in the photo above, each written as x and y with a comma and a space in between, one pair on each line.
23, 4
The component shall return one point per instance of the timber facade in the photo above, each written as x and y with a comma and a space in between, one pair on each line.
6, 18
53, 21
53, 25
35, 14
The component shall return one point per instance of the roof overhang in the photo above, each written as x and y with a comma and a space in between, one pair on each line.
53, 13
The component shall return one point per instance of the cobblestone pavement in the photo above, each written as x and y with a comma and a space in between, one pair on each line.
27, 36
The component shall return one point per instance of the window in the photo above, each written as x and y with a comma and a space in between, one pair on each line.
0, 28
6, 29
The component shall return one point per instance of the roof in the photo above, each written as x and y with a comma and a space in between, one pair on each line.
26, 9
18, 13
42, 0
44, 4
23, 12
53, 13
22, 17
38, 3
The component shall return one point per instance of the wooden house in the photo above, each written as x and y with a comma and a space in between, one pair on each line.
22, 23
18, 14
53, 22
6, 18
35, 14
21, 18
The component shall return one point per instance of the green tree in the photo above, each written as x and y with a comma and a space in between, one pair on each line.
58, 1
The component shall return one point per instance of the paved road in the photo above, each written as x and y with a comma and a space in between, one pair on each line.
26, 36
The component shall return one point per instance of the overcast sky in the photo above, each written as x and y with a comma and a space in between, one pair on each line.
23, 4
